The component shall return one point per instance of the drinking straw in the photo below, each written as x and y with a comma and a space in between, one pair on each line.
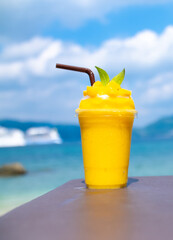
78, 69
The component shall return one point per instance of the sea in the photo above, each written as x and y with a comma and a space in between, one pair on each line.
49, 166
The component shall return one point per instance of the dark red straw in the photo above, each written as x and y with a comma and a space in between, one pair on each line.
78, 69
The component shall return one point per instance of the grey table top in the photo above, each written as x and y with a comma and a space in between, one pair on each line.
143, 210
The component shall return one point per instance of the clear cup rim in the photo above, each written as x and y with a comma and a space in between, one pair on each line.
107, 111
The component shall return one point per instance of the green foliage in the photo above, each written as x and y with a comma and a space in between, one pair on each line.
104, 77
119, 77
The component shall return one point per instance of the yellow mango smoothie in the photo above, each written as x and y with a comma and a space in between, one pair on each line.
106, 114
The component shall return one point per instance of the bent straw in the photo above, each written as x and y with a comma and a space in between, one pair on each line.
78, 69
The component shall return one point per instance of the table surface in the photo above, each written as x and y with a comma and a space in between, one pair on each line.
143, 210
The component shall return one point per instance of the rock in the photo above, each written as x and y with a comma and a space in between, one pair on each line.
12, 169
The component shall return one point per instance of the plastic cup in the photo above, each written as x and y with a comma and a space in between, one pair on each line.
106, 141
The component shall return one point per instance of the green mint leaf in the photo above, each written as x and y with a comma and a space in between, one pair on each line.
120, 77
104, 77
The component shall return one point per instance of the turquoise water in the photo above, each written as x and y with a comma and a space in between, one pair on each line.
50, 166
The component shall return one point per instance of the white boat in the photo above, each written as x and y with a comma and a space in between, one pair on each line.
11, 137
42, 135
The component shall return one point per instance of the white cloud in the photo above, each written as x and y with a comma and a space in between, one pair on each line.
29, 69
146, 51
159, 89
28, 15
26, 49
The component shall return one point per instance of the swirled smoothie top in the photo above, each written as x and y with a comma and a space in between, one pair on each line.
106, 94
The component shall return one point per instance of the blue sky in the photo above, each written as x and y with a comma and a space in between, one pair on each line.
34, 35
123, 23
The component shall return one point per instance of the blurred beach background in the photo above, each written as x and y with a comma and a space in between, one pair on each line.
38, 127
